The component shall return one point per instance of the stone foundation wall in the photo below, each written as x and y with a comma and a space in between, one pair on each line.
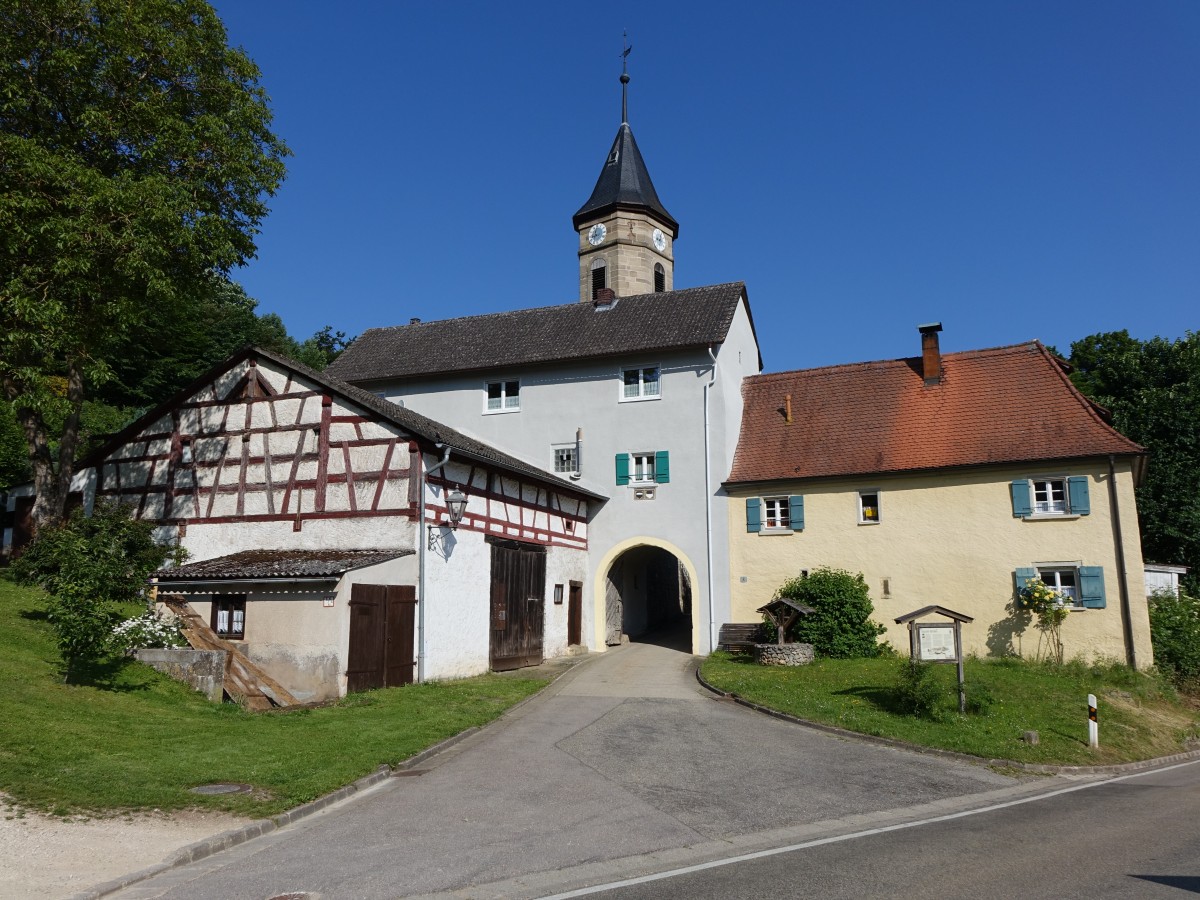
783, 654
202, 669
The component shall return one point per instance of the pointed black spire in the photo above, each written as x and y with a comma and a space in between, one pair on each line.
624, 182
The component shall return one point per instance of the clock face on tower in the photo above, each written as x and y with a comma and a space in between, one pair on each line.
596, 234
660, 240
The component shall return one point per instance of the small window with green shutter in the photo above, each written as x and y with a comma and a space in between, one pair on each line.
753, 515
1050, 496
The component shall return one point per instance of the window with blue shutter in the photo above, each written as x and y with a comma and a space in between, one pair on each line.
622, 468
662, 467
753, 514
796, 511
1077, 495
1091, 586
1020, 499
1023, 576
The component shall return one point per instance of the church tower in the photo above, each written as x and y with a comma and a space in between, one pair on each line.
626, 235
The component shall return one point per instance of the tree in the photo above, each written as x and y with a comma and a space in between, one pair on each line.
14, 460
841, 625
1152, 389
90, 566
136, 157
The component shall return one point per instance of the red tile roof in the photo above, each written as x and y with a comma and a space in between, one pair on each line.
1004, 405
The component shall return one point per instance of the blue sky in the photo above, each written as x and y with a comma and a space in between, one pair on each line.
1014, 170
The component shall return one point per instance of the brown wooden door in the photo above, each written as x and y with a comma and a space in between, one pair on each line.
575, 615
518, 604
381, 636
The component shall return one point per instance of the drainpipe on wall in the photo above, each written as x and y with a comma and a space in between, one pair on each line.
708, 503
422, 541
1122, 574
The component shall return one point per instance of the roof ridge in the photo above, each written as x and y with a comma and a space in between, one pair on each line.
880, 363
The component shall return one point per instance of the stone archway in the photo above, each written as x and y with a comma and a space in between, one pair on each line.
648, 590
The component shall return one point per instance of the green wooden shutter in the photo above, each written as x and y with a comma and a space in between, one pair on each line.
1091, 586
662, 467
1020, 499
622, 468
796, 512
1077, 495
1023, 576
753, 514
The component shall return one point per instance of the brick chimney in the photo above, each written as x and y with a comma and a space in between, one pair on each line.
931, 353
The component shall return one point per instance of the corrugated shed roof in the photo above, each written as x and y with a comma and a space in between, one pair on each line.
624, 183
1003, 405
282, 564
673, 320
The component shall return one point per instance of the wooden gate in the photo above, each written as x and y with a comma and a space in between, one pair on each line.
381, 636
518, 599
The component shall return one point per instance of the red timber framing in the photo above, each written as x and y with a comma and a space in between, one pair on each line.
514, 508
255, 445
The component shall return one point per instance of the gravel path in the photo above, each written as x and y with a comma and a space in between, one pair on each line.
51, 857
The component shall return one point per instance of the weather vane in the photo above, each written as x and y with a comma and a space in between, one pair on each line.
625, 76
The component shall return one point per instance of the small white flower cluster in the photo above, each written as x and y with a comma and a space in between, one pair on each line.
149, 630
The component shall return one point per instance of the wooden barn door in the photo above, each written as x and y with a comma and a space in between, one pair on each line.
381, 636
518, 598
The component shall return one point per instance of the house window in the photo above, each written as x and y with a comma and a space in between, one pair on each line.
640, 384
868, 507
564, 459
558, 595
660, 278
1050, 497
641, 469
1082, 586
229, 616
503, 396
1065, 581
599, 277
776, 513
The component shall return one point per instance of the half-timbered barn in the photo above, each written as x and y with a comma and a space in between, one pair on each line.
317, 521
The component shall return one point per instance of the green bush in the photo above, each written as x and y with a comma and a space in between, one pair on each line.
917, 690
841, 625
91, 567
1175, 634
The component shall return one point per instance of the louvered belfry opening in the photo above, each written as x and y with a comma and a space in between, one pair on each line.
660, 278
599, 277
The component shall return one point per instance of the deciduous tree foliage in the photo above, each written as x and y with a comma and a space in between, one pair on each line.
136, 157
1152, 389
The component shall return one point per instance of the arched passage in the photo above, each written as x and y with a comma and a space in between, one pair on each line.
645, 588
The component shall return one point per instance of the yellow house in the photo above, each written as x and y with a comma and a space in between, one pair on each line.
946, 480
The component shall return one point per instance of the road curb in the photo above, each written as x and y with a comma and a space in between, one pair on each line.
1031, 768
235, 836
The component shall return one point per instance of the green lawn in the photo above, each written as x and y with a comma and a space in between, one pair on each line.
137, 739
1139, 715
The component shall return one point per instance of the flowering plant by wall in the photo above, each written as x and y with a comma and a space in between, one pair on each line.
149, 630
1051, 608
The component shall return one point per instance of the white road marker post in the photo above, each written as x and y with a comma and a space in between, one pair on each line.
1093, 724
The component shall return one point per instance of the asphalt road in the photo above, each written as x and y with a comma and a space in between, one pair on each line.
1136, 837
624, 766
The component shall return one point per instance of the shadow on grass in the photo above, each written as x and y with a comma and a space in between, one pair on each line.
882, 698
117, 674
35, 615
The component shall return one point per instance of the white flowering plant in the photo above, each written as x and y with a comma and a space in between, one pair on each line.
148, 631
1051, 608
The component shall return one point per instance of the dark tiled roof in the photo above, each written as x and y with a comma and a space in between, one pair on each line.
1004, 405
674, 320
412, 422
281, 564
624, 183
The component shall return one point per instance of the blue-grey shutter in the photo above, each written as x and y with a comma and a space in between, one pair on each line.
622, 468
1091, 586
1024, 576
1077, 495
662, 467
796, 512
1020, 498
753, 514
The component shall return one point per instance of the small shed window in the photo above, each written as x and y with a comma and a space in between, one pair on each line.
660, 278
599, 277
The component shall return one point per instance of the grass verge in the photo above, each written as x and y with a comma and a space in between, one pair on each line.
133, 738
1140, 716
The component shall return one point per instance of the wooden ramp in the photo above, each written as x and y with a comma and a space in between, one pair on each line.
245, 683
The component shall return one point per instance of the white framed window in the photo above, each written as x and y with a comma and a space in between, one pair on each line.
565, 459
777, 514
868, 507
641, 468
502, 396
1050, 497
1064, 578
640, 384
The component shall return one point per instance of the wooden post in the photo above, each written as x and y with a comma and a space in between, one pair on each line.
962, 690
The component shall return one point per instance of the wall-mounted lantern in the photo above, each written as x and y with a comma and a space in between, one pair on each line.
456, 503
